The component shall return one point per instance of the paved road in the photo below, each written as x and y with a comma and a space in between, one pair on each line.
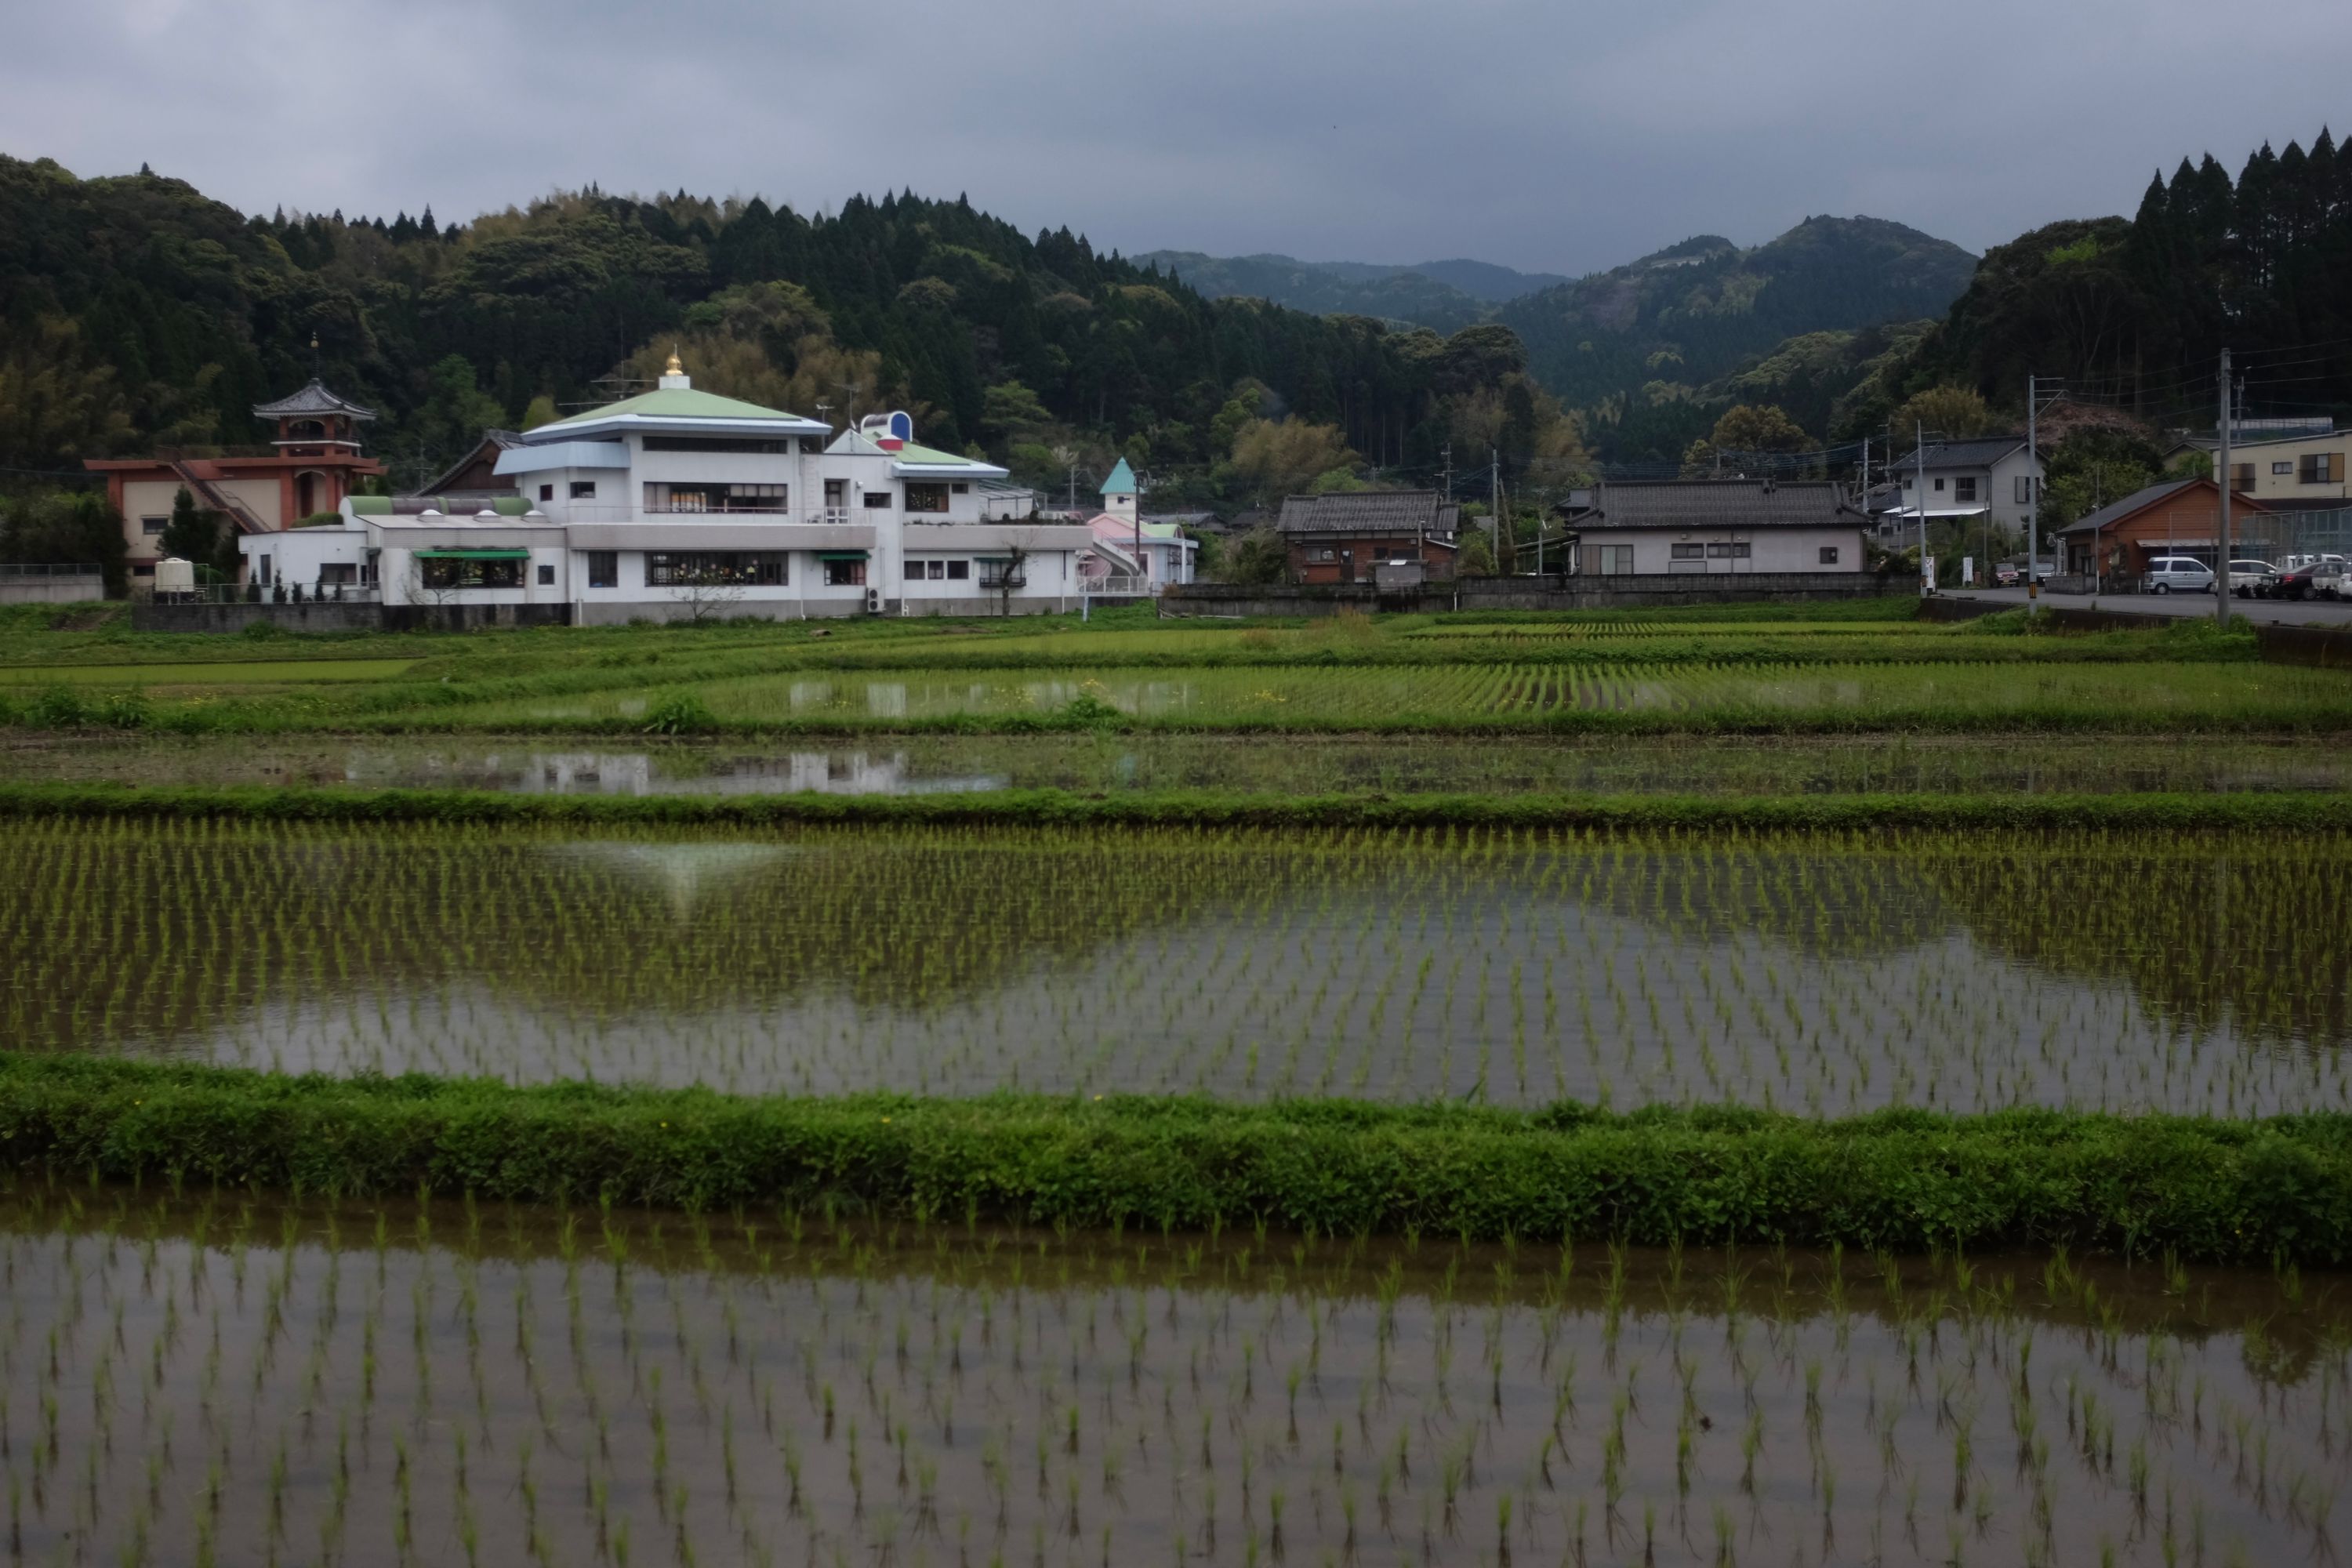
2309, 613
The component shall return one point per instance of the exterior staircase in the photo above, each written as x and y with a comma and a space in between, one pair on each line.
215, 499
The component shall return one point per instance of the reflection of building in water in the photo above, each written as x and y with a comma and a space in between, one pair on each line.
817, 773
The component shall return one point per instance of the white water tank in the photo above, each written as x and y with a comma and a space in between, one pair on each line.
173, 576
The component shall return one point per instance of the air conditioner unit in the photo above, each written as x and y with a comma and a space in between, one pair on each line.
873, 601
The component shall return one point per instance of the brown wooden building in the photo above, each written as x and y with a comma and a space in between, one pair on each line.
1346, 537
2178, 517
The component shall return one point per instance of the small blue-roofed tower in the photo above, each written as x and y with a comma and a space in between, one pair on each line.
1118, 492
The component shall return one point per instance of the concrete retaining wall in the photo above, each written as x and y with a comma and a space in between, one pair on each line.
1652, 591
15, 590
235, 617
328, 617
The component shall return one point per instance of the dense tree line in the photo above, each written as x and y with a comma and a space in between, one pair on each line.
2134, 313
139, 313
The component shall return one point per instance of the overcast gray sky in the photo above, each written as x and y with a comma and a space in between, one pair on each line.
1546, 135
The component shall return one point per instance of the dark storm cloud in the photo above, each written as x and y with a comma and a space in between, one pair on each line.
1555, 136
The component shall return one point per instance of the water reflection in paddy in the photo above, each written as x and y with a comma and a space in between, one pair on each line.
218, 1380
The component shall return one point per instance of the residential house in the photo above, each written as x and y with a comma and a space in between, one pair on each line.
477, 471
680, 503
1126, 544
2305, 467
2178, 517
312, 465
1715, 526
1990, 478
1345, 536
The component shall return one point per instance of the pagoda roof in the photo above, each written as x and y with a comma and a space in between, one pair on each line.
314, 398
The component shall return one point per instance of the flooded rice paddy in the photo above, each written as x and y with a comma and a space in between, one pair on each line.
1818, 973
1312, 764
216, 1380
2249, 695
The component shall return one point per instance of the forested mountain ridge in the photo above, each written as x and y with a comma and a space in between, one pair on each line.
138, 312
1442, 295
1691, 313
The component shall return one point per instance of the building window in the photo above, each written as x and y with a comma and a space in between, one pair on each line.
1003, 572
2321, 469
149, 527
717, 444
715, 497
442, 573
1738, 551
1940, 481
604, 568
876, 500
1322, 552
716, 569
2282, 465
1964, 489
1829, 554
584, 490
962, 490
546, 493
2022, 493
546, 576
927, 571
1687, 552
959, 571
927, 497
2241, 477
844, 573
335, 572
1609, 559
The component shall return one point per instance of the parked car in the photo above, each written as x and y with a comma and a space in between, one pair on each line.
2253, 579
2324, 578
2178, 575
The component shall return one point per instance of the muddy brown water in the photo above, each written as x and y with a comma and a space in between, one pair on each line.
223, 1379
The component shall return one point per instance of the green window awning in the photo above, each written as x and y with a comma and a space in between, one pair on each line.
840, 554
473, 554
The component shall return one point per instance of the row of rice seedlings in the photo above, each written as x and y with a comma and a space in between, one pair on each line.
217, 1381
1823, 973
2123, 696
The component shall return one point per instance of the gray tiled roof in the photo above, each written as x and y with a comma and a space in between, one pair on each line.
1981, 453
313, 398
1370, 511
1720, 503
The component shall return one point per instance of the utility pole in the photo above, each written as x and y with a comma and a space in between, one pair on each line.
1919, 462
2222, 472
2034, 479
1495, 504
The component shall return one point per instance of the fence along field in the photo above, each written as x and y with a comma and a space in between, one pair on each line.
1817, 974
214, 1379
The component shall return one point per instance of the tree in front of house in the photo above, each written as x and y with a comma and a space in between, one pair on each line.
2093, 466
199, 535
1259, 557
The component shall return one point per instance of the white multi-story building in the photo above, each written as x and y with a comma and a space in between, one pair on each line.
678, 503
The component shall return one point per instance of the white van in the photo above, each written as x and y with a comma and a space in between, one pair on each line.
2178, 575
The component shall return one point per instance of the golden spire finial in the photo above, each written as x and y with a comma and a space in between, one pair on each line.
675, 368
